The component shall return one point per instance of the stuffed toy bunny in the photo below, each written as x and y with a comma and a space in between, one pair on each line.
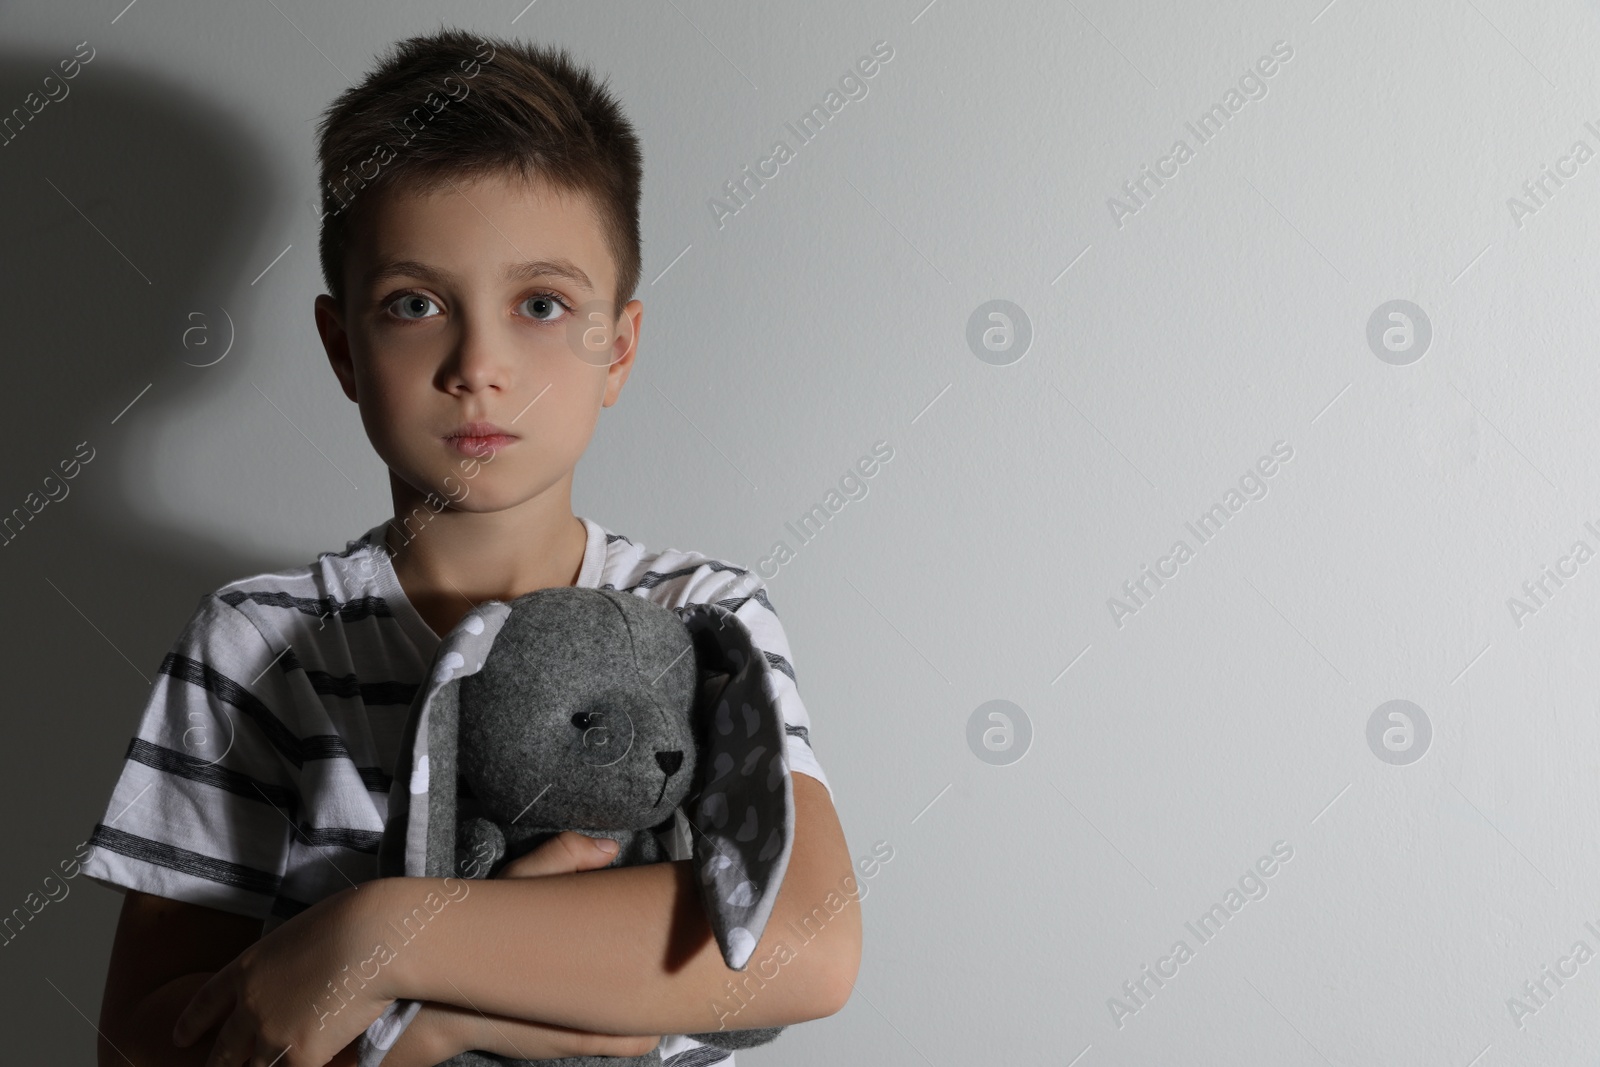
572, 708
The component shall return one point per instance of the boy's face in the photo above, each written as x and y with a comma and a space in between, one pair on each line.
440, 329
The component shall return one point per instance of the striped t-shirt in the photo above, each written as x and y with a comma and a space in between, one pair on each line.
258, 779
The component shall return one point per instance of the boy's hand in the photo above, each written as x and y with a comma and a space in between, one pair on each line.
445, 1030
277, 998
565, 853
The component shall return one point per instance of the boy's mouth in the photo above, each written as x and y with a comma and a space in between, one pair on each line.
478, 438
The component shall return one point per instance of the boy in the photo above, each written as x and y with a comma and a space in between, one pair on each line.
480, 273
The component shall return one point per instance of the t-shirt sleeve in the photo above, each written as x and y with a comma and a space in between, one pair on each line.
203, 808
746, 596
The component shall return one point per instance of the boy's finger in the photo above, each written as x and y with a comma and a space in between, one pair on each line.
236, 1044
565, 853
204, 1008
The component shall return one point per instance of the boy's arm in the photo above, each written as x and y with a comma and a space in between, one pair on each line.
163, 951
628, 950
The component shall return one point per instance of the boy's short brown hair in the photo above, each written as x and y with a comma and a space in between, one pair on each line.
456, 104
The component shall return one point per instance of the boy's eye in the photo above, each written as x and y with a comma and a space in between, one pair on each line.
411, 306
545, 307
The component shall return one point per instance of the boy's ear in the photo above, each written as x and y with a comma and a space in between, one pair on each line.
335, 342
623, 349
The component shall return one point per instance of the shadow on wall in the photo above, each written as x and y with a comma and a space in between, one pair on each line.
130, 204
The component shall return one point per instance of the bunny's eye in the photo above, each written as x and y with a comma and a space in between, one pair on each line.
605, 735
596, 729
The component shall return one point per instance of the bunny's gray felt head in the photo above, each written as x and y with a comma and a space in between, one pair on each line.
600, 711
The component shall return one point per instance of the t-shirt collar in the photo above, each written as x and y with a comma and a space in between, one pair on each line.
421, 634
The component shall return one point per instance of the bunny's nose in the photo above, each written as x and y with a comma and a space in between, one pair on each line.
669, 762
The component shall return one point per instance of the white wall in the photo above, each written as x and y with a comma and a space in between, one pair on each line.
1168, 753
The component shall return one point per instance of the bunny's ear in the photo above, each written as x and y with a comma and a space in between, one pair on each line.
419, 833
741, 815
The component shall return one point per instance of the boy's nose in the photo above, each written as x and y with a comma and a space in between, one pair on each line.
669, 762
480, 361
